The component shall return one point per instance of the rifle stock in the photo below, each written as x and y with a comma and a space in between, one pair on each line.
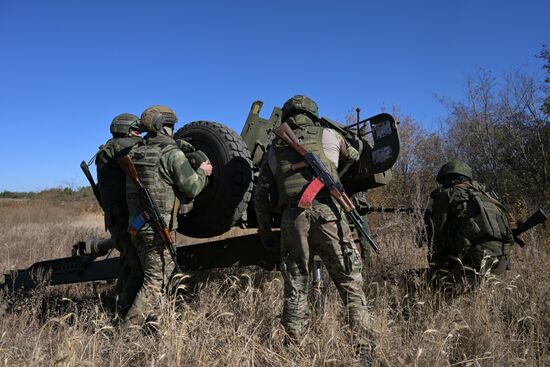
128, 167
84, 167
287, 135
336, 190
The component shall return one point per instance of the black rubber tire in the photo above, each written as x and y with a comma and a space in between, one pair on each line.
222, 202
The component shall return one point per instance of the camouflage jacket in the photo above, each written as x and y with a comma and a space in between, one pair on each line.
111, 178
177, 177
464, 215
266, 201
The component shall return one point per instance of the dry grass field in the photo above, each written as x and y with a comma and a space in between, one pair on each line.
231, 317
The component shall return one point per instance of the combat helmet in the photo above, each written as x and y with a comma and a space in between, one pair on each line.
299, 103
155, 117
123, 123
454, 167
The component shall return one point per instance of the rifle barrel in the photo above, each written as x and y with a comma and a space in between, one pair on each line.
379, 209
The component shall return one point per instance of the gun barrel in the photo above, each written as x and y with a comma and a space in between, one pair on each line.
358, 222
379, 209
534, 219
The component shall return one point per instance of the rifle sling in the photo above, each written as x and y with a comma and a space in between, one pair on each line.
175, 211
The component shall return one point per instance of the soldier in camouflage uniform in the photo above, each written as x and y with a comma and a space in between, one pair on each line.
112, 188
165, 171
321, 229
469, 228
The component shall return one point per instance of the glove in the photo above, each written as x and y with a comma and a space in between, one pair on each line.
185, 146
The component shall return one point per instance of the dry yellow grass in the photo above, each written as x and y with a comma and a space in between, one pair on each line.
231, 317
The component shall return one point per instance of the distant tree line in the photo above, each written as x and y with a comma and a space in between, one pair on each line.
65, 194
501, 127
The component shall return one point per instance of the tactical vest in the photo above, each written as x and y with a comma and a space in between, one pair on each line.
291, 184
146, 159
111, 179
480, 217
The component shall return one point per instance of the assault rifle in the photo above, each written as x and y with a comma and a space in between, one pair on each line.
84, 167
323, 178
151, 213
534, 219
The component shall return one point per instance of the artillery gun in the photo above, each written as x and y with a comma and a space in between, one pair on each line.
226, 201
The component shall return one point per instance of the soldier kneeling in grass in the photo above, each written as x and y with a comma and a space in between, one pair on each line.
468, 228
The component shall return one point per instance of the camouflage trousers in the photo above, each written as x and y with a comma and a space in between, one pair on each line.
459, 274
130, 277
157, 268
320, 230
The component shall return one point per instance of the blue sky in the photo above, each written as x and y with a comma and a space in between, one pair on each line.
68, 67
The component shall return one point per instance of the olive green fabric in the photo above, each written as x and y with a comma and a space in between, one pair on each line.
146, 159
123, 124
299, 103
112, 188
111, 179
291, 184
470, 230
321, 230
155, 117
454, 167
158, 269
131, 276
164, 170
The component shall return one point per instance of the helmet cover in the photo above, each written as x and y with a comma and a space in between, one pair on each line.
299, 103
454, 167
123, 123
155, 117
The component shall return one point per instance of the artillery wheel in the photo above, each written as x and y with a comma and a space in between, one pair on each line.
221, 204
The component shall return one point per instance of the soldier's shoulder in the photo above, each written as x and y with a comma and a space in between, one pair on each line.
107, 144
475, 185
106, 149
460, 192
126, 143
128, 140
161, 140
332, 133
171, 154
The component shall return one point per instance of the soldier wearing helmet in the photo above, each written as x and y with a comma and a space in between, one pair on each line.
321, 229
165, 171
112, 187
470, 233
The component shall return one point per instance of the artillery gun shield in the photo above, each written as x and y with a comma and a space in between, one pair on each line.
377, 157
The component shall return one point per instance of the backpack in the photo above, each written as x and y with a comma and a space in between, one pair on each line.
481, 217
